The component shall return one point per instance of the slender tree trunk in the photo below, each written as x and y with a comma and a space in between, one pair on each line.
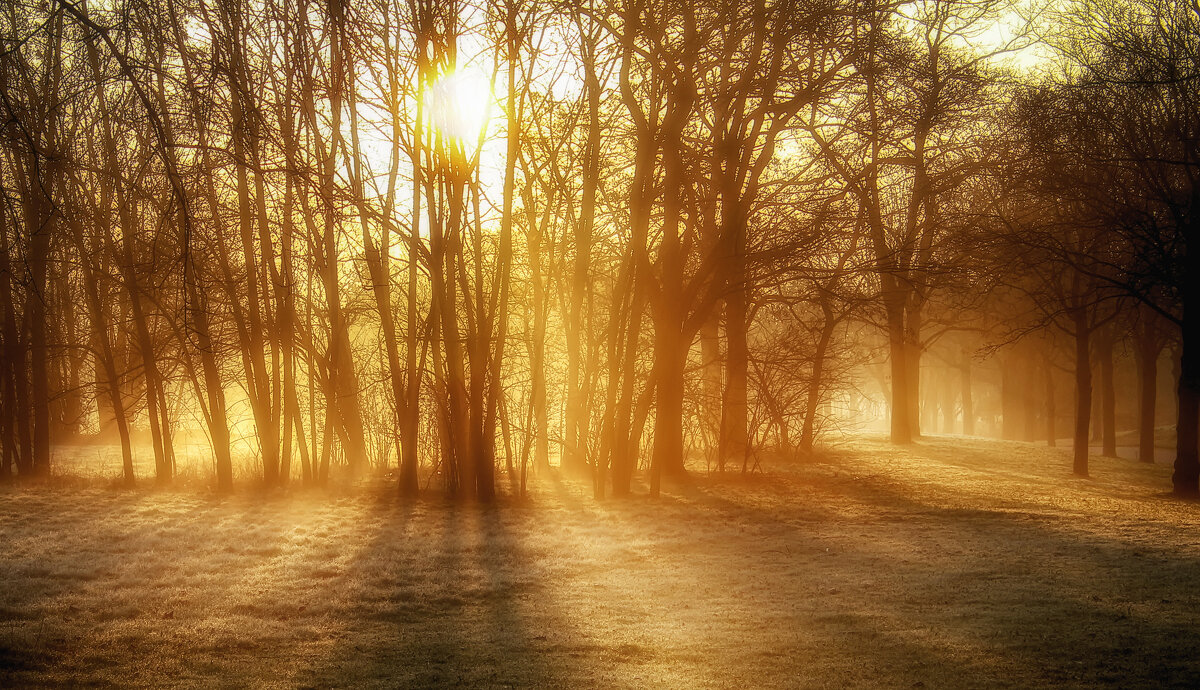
1108, 394
1149, 347
928, 403
114, 393
734, 439
635, 277
949, 407
735, 444
622, 368
378, 260
497, 312
214, 388
255, 341
1008, 399
1050, 407
901, 415
1083, 390
482, 363
537, 363
1029, 397
912, 362
8, 362
155, 399
99, 316
817, 382
35, 307
577, 413
968, 402
43, 223
344, 379
411, 426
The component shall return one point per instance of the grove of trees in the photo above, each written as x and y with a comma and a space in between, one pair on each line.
465, 242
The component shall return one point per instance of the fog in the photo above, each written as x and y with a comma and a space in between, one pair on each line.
518, 251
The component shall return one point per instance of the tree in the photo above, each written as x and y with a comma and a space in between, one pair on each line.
1135, 68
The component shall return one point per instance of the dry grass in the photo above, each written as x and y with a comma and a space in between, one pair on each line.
952, 563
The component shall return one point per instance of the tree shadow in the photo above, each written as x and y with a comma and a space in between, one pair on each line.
458, 600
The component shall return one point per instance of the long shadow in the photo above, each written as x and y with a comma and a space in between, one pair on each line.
818, 576
1088, 608
973, 589
45, 618
1034, 594
1026, 599
457, 600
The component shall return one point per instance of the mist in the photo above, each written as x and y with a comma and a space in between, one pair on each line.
481, 269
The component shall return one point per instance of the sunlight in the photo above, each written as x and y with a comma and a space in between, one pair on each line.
460, 104
551, 344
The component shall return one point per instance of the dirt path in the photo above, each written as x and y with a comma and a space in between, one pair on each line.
961, 563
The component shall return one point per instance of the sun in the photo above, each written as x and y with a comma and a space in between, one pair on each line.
459, 104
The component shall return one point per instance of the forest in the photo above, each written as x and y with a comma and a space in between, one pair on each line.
452, 239
805, 264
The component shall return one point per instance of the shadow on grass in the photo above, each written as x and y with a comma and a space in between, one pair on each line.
956, 595
445, 595
921, 567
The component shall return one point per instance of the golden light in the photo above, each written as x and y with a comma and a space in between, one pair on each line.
459, 104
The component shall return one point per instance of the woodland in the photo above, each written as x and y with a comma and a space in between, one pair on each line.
449, 239
514, 323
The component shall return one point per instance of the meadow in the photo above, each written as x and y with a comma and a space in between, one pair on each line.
951, 563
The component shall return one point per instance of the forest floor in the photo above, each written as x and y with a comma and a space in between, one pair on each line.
952, 563
1164, 437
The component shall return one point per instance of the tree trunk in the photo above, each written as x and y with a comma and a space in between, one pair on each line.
1186, 477
968, 406
9, 368
483, 444
1008, 399
1083, 390
537, 364
1108, 394
670, 350
734, 442
949, 412
35, 307
1149, 347
901, 413
160, 433
1029, 389
912, 358
1051, 411
808, 431
577, 411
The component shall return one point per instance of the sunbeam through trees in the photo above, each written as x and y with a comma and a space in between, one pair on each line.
620, 343
457, 239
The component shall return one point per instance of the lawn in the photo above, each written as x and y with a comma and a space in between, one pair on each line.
955, 562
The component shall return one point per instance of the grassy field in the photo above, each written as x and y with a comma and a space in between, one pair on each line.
956, 562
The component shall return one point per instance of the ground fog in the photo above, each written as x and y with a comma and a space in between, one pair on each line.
954, 562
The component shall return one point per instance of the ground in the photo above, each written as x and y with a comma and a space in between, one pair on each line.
952, 563
1164, 437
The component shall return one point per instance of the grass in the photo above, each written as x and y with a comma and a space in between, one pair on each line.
954, 562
